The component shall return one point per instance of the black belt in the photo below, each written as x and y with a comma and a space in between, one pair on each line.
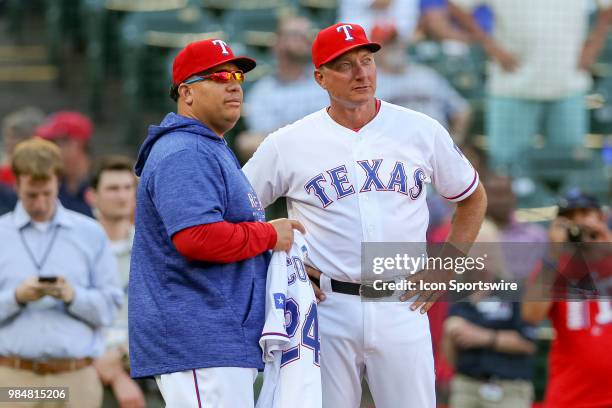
482, 377
360, 289
357, 289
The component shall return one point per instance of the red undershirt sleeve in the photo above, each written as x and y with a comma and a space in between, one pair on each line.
224, 242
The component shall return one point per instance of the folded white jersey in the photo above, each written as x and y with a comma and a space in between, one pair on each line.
290, 338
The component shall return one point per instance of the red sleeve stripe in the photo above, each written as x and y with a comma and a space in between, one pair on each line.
274, 334
466, 190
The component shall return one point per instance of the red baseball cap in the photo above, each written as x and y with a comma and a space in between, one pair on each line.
333, 41
66, 124
202, 55
384, 33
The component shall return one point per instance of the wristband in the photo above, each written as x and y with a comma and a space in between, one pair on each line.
493, 340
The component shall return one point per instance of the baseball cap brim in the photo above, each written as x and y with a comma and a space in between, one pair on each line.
372, 46
578, 202
245, 64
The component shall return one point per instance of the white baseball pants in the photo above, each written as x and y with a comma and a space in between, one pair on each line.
216, 387
385, 341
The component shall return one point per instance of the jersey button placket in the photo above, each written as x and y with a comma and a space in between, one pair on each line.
362, 198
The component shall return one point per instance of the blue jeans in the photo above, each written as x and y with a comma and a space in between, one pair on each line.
512, 123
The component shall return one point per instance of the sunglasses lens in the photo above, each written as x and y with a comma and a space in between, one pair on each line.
226, 76
223, 76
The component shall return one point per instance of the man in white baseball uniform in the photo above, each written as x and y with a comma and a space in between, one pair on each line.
356, 172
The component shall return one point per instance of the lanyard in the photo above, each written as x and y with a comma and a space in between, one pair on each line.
47, 251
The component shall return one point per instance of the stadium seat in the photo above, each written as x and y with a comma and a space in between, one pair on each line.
149, 41
103, 20
16, 11
64, 26
551, 166
591, 181
222, 6
601, 114
255, 28
62, 21
322, 12
532, 194
463, 67
319, 4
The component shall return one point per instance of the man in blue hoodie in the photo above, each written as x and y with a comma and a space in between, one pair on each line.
198, 267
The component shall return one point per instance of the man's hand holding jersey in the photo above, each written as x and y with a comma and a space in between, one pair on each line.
284, 232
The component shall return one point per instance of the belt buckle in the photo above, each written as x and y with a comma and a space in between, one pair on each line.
490, 391
368, 292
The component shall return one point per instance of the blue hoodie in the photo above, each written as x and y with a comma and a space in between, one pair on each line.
188, 314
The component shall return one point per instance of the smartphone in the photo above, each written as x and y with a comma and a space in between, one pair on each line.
47, 279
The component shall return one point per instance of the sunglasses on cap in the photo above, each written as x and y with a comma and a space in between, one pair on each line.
221, 76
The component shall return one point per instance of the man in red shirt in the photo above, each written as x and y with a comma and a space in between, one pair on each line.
580, 364
72, 132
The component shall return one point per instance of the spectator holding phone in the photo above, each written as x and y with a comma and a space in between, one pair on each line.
58, 284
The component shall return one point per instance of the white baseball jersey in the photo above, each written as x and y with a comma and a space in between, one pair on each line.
290, 338
350, 187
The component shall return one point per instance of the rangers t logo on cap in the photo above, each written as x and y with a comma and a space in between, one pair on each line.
223, 45
328, 45
200, 56
345, 28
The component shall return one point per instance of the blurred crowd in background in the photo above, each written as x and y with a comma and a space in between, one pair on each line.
524, 88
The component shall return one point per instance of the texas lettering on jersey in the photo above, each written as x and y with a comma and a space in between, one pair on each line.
344, 185
337, 178
290, 339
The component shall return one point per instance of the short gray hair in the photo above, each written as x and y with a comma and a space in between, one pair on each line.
21, 124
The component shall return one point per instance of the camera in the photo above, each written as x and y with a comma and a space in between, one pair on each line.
575, 234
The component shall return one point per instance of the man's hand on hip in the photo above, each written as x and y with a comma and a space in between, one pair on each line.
315, 276
425, 281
